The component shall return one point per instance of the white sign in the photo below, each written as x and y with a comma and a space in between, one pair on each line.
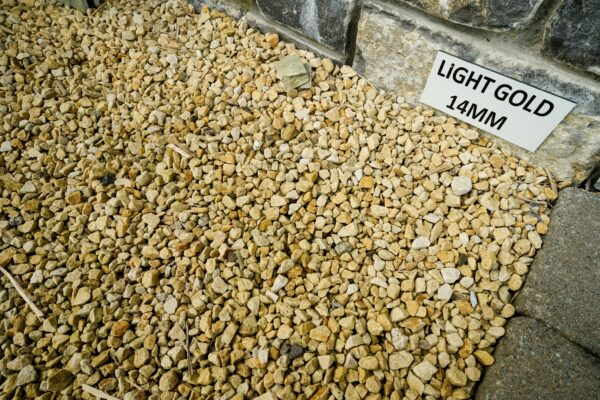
510, 109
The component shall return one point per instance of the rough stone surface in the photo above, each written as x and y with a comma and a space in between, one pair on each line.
256, 19
573, 35
326, 21
562, 288
395, 51
535, 362
81, 5
487, 14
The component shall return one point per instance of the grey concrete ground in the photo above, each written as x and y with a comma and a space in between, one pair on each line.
552, 350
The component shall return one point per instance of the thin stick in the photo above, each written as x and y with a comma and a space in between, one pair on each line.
23, 295
7, 30
525, 199
96, 9
440, 169
187, 347
184, 153
98, 393
366, 80
552, 181
135, 385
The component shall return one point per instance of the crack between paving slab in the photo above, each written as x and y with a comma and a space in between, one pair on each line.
561, 334
521, 314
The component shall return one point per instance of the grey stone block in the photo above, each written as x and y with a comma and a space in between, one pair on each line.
563, 285
395, 50
534, 362
254, 18
500, 15
81, 5
326, 21
574, 34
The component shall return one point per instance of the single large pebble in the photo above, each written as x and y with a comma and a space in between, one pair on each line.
137, 19
263, 356
168, 381
327, 65
352, 288
172, 59
484, 357
461, 185
456, 377
379, 211
333, 115
83, 296
399, 340
445, 292
128, 35
325, 361
280, 282
5, 147
348, 230
400, 360
421, 243
369, 363
473, 299
27, 375
171, 305
353, 341
320, 333
28, 187
377, 281
229, 333
284, 332
150, 278
19, 362
425, 370
278, 201
450, 275
453, 339
219, 285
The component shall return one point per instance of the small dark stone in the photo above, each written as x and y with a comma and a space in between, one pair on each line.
231, 255
295, 351
462, 259
15, 221
574, 34
109, 179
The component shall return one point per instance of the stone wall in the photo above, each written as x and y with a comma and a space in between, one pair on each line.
551, 44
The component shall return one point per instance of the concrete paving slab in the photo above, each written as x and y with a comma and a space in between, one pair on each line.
536, 362
563, 285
